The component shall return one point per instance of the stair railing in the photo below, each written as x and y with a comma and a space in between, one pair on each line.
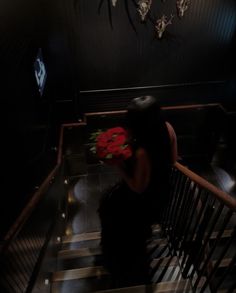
23, 247
200, 224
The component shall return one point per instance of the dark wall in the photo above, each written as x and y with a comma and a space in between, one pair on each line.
96, 66
26, 122
195, 49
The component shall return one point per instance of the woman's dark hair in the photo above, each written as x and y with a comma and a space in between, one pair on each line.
148, 129
147, 126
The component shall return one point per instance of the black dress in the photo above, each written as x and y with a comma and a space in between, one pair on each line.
126, 227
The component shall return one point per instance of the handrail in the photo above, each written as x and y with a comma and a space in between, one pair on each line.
220, 194
15, 228
178, 107
27, 211
198, 217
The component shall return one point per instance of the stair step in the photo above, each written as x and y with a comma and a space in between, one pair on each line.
97, 271
157, 242
92, 251
82, 285
224, 263
226, 234
165, 261
176, 286
81, 273
82, 237
96, 235
82, 252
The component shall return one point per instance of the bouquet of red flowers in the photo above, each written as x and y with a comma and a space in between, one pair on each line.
112, 145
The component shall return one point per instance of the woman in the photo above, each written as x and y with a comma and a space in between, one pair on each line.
128, 210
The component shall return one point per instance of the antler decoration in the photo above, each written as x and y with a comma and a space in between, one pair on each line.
161, 25
114, 2
182, 6
143, 8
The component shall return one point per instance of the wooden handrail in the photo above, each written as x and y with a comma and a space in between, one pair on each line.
27, 211
16, 227
224, 197
179, 107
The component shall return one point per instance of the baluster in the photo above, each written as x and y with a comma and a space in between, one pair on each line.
166, 213
221, 231
192, 234
198, 257
225, 274
192, 210
177, 198
180, 213
220, 257
173, 199
22, 258
30, 261
7, 282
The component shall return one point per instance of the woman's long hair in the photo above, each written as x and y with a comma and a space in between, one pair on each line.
148, 129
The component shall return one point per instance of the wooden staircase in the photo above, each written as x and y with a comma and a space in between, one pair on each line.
80, 267
174, 259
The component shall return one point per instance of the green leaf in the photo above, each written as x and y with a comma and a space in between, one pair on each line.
93, 149
109, 156
124, 146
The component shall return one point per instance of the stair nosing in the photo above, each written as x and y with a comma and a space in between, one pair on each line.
81, 252
81, 273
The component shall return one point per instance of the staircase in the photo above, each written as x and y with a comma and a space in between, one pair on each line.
193, 249
80, 267
187, 253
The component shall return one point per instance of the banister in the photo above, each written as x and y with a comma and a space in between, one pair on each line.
30, 206
178, 107
224, 197
15, 228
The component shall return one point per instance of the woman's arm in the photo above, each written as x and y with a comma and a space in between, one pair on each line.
173, 141
142, 171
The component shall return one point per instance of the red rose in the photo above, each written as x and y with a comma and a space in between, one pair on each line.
115, 130
113, 149
127, 153
102, 137
111, 146
120, 139
102, 153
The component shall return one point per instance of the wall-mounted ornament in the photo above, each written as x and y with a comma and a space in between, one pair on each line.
161, 25
182, 6
143, 8
113, 2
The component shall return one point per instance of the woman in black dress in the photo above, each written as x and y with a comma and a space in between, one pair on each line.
128, 209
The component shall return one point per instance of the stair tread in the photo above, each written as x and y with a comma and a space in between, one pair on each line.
95, 271
92, 251
81, 252
164, 261
88, 272
174, 286
82, 237
95, 235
